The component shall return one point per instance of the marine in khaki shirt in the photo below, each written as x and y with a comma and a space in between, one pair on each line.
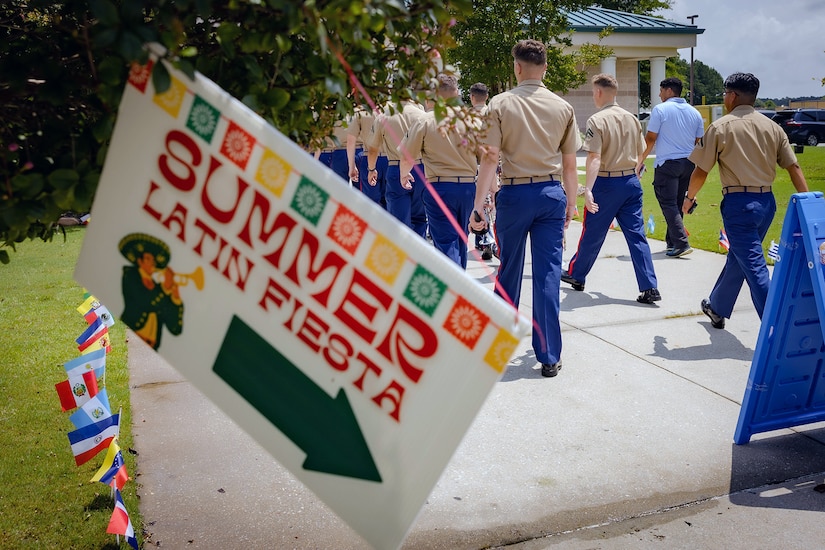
613, 141
387, 132
358, 131
443, 150
747, 146
534, 133
450, 166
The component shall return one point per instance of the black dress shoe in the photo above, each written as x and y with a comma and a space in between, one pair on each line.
649, 296
716, 321
550, 370
577, 285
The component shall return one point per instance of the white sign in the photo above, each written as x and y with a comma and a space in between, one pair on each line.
349, 348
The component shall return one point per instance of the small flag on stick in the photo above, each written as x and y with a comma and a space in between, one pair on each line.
113, 470
773, 251
120, 524
651, 225
723, 240
76, 390
89, 440
94, 410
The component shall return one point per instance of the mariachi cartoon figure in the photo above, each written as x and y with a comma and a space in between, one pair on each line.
150, 292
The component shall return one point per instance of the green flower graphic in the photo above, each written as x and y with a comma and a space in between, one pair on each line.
203, 119
309, 200
425, 290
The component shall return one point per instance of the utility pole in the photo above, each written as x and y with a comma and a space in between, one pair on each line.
692, 18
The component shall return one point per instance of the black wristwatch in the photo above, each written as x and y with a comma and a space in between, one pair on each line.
372, 169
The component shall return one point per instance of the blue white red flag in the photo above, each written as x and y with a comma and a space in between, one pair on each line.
120, 524
94, 410
92, 335
76, 390
89, 440
723, 240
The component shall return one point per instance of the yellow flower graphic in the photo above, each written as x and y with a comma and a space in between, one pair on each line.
273, 172
501, 350
172, 99
385, 259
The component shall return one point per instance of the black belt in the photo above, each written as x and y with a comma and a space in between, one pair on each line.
453, 179
530, 179
746, 189
333, 150
616, 173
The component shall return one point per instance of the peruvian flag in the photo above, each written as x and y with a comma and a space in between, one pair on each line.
76, 390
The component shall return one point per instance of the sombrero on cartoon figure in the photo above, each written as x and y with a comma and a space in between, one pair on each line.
135, 245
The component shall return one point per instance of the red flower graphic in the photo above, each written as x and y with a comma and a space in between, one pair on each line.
466, 322
237, 145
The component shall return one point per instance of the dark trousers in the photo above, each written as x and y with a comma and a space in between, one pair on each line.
747, 218
670, 182
538, 210
619, 198
407, 205
337, 161
374, 192
458, 198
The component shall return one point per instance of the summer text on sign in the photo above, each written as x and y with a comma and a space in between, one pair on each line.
349, 348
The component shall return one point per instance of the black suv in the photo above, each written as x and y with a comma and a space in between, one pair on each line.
803, 126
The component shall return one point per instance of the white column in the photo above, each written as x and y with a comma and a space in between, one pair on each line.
657, 74
609, 65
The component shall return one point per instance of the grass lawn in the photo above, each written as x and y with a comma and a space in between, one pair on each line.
706, 221
45, 500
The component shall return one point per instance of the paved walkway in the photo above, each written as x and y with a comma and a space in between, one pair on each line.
631, 446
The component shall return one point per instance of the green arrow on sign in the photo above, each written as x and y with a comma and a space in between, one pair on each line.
325, 428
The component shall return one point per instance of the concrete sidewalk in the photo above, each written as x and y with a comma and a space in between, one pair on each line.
631, 446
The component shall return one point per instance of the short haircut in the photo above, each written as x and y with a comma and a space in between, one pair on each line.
744, 83
605, 80
479, 89
447, 83
672, 83
530, 51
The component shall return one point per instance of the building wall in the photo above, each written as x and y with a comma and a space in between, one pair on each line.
628, 97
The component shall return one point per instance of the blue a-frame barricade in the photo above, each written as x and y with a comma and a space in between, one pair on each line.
786, 385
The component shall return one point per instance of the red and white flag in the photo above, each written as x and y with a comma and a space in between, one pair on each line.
76, 390
120, 524
723, 240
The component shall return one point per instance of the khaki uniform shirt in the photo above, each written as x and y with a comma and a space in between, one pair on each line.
616, 135
444, 154
388, 130
747, 145
340, 133
532, 127
360, 125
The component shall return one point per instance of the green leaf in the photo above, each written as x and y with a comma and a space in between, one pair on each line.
161, 79
63, 179
277, 98
105, 12
186, 67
